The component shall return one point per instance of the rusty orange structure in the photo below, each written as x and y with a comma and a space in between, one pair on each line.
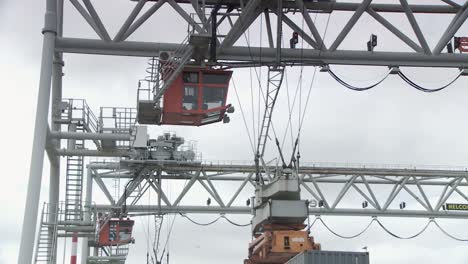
278, 243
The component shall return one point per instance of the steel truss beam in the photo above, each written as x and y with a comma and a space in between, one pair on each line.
268, 55
54, 45
346, 6
318, 182
317, 54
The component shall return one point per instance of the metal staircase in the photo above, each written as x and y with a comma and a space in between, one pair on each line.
174, 66
77, 110
74, 182
47, 239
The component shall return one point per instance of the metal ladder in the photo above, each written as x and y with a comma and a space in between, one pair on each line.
275, 78
74, 182
174, 66
46, 244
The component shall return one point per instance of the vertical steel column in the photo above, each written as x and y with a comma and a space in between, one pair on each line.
87, 216
40, 135
54, 181
279, 31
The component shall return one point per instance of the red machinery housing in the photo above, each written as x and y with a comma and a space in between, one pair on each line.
114, 232
196, 97
279, 243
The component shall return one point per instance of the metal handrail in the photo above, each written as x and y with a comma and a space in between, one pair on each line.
85, 114
345, 165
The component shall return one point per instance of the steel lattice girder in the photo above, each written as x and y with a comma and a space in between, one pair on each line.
228, 52
318, 182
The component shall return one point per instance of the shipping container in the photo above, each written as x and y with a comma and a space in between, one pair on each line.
330, 257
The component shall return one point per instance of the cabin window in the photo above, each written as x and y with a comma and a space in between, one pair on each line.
112, 231
190, 98
125, 234
209, 78
213, 97
190, 77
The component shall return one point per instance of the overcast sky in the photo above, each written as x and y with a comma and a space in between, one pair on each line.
392, 123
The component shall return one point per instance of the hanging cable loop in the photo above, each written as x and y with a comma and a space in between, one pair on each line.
346, 237
449, 235
234, 223
354, 88
427, 90
400, 237
214, 221
198, 223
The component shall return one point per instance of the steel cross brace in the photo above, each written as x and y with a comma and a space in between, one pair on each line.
318, 192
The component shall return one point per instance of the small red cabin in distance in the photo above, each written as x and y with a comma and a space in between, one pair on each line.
196, 97
115, 232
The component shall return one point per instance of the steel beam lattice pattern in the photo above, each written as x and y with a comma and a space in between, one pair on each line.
382, 188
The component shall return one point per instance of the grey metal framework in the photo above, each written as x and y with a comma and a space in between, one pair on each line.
237, 16
318, 181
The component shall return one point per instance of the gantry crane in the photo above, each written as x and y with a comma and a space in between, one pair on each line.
206, 50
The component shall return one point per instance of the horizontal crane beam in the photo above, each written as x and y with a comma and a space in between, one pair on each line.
333, 169
329, 6
318, 179
245, 210
316, 183
89, 136
266, 56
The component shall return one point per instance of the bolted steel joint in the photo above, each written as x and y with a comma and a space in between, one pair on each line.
50, 23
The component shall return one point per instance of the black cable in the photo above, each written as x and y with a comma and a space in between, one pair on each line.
346, 237
243, 115
234, 223
426, 90
354, 88
309, 226
198, 223
400, 237
447, 234
214, 221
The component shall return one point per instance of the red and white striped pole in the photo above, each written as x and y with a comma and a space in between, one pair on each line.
74, 248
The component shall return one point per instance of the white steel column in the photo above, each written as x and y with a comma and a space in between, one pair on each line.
54, 181
40, 133
87, 216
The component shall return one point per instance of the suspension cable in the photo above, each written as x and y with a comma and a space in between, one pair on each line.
256, 73
427, 90
234, 223
170, 228
400, 237
354, 88
214, 221
343, 236
307, 102
198, 223
447, 234
298, 87
309, 226
252, 96
243, 116
312, 82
